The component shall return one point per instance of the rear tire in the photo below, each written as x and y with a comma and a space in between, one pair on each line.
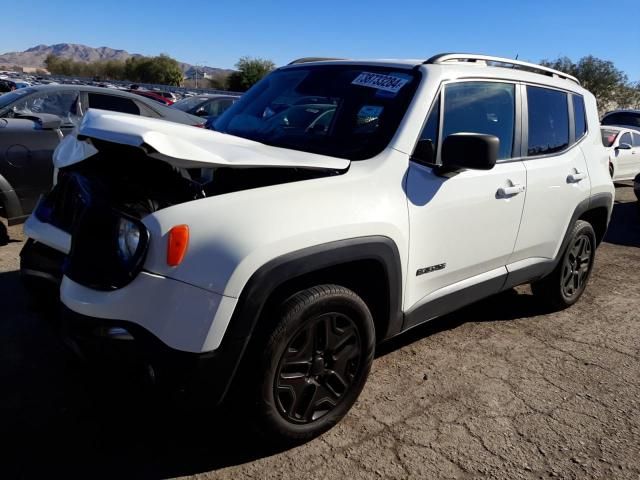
565, 285
314, 364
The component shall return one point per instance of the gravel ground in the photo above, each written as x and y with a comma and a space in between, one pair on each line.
500, 389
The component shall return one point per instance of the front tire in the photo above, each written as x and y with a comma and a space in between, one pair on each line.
315, 363
565, 285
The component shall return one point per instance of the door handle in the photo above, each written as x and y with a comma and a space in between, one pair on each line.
576, 177
510, 191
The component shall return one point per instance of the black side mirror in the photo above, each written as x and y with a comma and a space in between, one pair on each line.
45, 121
623, 146
476, 151
202, 113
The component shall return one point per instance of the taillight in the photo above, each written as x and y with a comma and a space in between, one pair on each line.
177, 244
199, 125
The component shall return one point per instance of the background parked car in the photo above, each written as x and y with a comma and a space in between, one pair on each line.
623, 145
7, 86
622, 118
29, 133
153, 96
208, 106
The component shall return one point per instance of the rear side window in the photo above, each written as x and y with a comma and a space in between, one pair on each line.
481, 107
548, 121
579, 116
636, 139
113, 103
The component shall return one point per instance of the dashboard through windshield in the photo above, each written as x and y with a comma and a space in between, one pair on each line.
346, 111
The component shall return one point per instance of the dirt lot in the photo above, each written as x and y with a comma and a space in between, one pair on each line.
500, 389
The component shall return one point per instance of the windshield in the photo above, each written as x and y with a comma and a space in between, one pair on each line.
189, 104
344, 111
608, 136
8, 98
622, 118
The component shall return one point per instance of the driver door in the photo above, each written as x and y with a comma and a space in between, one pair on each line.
464, 224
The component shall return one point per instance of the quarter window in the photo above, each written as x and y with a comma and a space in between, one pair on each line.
579, 116
429, 135
548, 121
481, 107
636, 139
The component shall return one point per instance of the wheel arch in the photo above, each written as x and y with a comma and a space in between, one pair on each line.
10, 202
370, 266
597, 211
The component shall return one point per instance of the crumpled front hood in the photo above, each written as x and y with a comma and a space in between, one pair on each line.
181, 145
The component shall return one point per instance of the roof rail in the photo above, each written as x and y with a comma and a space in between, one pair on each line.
313, 59
474, 58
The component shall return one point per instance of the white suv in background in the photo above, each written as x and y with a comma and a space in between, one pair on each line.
338, 204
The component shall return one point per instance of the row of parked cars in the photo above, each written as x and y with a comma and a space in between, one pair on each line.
337, 204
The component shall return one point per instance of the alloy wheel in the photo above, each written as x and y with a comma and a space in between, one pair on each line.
317, 368
577, 265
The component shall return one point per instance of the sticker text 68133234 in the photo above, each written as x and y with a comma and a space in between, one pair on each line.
380, 82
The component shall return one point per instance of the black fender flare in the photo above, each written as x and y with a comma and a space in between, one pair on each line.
599, 200
264, 282
10, 201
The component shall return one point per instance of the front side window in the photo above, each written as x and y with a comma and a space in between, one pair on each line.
626, 139
636, 139
579, 116
481, 107
61, 103
548, 121
345, 111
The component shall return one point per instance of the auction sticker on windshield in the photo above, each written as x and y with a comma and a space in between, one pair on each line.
380, 82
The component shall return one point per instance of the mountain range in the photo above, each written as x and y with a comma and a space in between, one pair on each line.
35, 56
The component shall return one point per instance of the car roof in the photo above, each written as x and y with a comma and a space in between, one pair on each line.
464, 66
623, 110
164, 111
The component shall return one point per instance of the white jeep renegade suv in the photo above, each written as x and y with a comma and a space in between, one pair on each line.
337, 204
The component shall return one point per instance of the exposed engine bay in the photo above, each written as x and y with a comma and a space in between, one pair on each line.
128, 179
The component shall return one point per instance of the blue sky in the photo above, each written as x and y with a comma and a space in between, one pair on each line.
218, 32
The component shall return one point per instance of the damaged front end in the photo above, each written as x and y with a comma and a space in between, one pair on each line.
117, 169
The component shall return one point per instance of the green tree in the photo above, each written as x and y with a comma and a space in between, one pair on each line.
220, 81
600, 77
250, 71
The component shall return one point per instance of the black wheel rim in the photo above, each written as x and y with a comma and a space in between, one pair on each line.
576, 267
317, 368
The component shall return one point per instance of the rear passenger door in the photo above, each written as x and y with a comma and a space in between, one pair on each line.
554, 123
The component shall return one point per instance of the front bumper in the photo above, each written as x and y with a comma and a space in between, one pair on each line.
129, 347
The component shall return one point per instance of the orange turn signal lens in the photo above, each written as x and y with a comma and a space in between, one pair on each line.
178, 243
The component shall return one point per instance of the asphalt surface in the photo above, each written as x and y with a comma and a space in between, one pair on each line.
501, 389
